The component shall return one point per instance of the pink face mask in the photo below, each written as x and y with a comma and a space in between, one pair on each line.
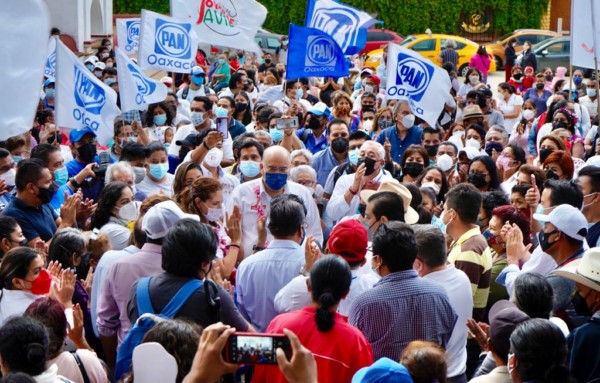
504, 162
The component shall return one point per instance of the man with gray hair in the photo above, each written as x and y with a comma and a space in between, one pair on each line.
123, 172
449, 54
432, 263
402, 134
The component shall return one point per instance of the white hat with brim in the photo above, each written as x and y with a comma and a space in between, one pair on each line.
585, 271
567, 219
410, 215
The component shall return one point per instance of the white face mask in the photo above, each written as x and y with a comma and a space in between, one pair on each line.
214, 214
213, 157
367, 124
444, 162
473, 79
528, 114
9, 177
473, 143
129, 212
140, 173
433, 185
408, 121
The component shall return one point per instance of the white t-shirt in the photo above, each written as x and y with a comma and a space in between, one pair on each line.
186, 130
150, 187
194, 93
509, 107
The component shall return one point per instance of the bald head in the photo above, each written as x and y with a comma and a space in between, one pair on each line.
276, 159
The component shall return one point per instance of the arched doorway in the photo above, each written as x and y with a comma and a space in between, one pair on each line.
96, 18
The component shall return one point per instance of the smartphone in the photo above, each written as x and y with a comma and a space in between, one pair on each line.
251, 348
222, 126
287, 123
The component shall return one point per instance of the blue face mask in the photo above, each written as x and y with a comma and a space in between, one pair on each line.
50, 93
158, 171
250, 168
540, 210
221, 112
276, 181
61, 176
198, 80
353, 157
17, 159
276, 135
299, 93
160, 119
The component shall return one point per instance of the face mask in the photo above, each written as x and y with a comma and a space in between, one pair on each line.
50, 93
221, 61
61, 176
124, 141
213, 214
160, 119
544, 238
221, 112
559, 125
540, 210
408, 121
490, 238
250, 168
490, 146
353, 157
109, 81
128, 212
197, 118
45, 195
413, 169
473, 79
159, 171
110, 65
299, 93
367, 125
539, 86
276, 181
474, 143
340, 145
431, 150
439, 223
213, 157
544, 153
314, 123
87, 152
98, 73
369, 89
104, 55
276, 135
548, 77
432, 185
591, 92
240, 106
580, 305
17, 159
42, 283
9, 177
504, 162
383, 123
588, 204
444, 162
284, 43
477, 180
140, 174
267, 61
551, 175
198, 80
369, 165
90, 67
528, 114
361, 210
577, 80
281, 73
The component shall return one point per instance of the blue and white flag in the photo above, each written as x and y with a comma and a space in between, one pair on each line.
312, 53
50, 68
137, 90
166, 43
83, 101
128, 34
347, 25
413, 77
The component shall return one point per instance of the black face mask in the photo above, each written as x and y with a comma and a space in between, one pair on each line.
432, 150
580, 305
45, 195
240, 106
548, 77
544, 153
340, 145
314, 123
477, 180
413, 169
369, 165
544, 237
267, 61
559, 125
493, 145
367, 108
539, 86
550, 175
361, 210
280, 73
87, 152
183, 153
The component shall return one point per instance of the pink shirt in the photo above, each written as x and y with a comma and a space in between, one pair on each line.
482, 63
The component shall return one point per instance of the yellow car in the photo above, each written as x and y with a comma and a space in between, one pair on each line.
430, 46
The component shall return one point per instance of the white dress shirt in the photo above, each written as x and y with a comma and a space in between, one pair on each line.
14, 303
186, 130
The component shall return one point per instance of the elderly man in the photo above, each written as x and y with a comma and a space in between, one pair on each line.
403, 134
253, 199
369, 174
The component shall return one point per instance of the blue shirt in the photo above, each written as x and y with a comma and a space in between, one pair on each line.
323, 162
35, 222
236, 128
59, 198
413, 136
540, 102
260, 277
311, 143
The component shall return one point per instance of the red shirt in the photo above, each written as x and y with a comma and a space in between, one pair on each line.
339, 352
528, 82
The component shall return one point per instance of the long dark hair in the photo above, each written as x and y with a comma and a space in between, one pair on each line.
149, 120
15, 264
7, 226
330, 280
247, 116
106, 202
490, 165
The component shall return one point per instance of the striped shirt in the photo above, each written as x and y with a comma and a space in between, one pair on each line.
471, 254
400, 308
449, 56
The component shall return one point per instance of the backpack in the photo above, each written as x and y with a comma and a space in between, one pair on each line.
145, 321
186, 91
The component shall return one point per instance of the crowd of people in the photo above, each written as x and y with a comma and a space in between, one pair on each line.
384, 248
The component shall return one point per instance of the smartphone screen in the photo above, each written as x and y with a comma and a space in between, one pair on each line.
222, 126
245, 348
287, 123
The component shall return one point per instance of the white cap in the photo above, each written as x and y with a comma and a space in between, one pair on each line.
162, 217
567, 219
585, 271
92, 59
166, 80
100, 65
470, 151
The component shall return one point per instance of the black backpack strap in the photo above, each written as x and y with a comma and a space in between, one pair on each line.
213, 300
86, 378
185, 92
305, 133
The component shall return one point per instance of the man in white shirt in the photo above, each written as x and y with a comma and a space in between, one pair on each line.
432, 263
253, 199
590, 101
197, 86
369, 174
293, 93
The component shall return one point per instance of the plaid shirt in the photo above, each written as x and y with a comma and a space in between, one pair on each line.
132, 115
400, 308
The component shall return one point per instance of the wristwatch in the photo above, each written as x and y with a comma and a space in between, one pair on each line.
75, 184
257, 248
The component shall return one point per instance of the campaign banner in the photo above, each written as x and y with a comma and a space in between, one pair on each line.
166, 43
50, 68
312, 53
137, 90
83, 101
128, 34
585, 32
413, 77
347, 25
228, 23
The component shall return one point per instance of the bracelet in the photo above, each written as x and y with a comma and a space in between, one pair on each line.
234, 245
257, 248
352, 192
205, 146
75, 183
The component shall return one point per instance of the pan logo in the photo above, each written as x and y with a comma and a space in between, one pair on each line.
320, 52
90, 97
172, 40
133, 35
339, 22
412, 78
50, 68
145, 88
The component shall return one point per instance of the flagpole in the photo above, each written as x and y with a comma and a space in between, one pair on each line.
570, 80
595, 58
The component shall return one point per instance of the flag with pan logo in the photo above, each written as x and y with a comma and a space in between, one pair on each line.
128, 34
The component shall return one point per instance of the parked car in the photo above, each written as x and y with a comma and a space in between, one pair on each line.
534, 36
430, 46
267, 41
556, 52
378, 38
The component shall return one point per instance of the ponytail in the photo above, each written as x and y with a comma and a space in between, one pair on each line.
324, 317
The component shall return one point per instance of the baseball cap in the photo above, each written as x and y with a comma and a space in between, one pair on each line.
567, 219
504, 318
585, 271
470, 152
197, 71
366, 70
168, 81
48, 82
163, 216
100, 65
189, 140
319, 109
349, 239
77, 134
384, 370
410, 215
375, 79
91, 59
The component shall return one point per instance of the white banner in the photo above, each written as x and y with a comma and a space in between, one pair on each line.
128, 34
585, 32
166, 43
50, 69
225, 23
137, 90
83, 101
413, 77
24, 25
